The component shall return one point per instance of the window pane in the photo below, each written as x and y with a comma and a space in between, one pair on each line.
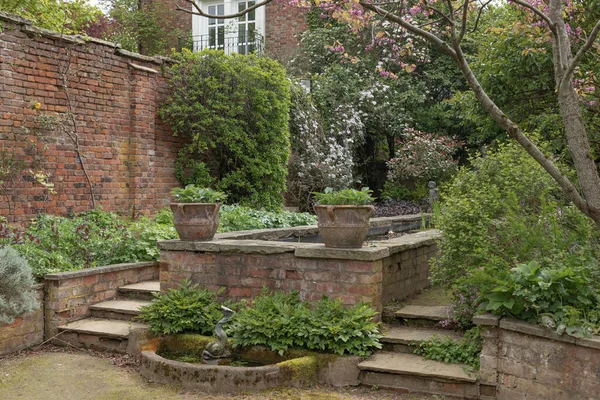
221, 9
242, 7
251, 14
211, 37
221, 36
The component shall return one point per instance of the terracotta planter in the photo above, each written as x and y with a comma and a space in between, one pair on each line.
196, 221
344, 226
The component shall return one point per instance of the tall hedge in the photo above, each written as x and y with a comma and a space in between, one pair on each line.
234, 110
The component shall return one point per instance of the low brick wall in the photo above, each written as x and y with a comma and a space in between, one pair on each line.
69, 294
531, 362
26, 331
243, 267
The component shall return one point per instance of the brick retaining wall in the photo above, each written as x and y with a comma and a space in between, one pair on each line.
128, 152
531, 362
375, 274
69, 294
26, 331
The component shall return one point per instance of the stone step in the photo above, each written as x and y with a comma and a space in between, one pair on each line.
422, 315
98, 334
412, 373
141, 290
404, 339
118, 309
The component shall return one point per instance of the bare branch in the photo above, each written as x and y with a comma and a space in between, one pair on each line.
577, 59
412, 28
236, 15
441, 13
484, 5
538, 12
465, 14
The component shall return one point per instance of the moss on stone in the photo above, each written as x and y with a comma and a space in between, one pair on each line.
184, 344
303, 369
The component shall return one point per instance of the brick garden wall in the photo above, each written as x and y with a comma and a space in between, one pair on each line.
282, 27
407, 273
26, 331
128, 152
531, 362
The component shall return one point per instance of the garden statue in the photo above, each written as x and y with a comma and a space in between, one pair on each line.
433, 193
218, 348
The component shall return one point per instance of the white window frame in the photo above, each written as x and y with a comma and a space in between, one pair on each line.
200, 24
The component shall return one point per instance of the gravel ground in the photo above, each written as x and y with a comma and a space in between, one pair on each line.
58, 373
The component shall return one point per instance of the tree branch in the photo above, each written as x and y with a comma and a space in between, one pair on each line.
236, 15
577, 59
465, 14
538, 12
412, 28
484, 5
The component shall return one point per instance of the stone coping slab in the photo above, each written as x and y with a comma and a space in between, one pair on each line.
98, 270
318, 250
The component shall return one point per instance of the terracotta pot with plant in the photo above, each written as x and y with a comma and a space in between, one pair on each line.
196, 212
344, 216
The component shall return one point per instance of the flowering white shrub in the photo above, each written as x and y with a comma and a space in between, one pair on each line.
422, 156
322, 153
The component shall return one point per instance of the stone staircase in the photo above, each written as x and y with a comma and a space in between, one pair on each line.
396, 368
110, 322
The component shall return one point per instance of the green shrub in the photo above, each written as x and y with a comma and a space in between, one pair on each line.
234, 110
344, 197
16, 280
281, 321
395, 191
503, 212
463, 351
186, 309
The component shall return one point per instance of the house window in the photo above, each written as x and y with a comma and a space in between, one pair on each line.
216, 27
238, 35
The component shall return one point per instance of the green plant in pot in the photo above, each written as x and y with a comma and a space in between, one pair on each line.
196, 212
344, 216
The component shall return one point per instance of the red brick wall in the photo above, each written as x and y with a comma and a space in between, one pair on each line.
283, 24
26, 331
128, 152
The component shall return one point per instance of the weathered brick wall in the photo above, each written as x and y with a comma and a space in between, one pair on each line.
283, 24
407, 273
531, 362
69, 294
128, 152
244, 275
26, 331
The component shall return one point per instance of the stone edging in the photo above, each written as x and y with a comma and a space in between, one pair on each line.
514, 325
98, 270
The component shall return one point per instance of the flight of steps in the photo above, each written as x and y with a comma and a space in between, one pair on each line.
111, 321
396, 368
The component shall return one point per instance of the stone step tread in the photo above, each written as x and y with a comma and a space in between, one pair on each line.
411, 335
121, 306
103, 327
410, 364
434, 313
147, 286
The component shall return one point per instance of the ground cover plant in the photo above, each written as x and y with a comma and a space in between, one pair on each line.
56, 244
464, 351
281, 322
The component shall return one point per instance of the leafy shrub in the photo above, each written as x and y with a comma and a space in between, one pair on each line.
281, 321
405, 191
234, 111
507, 211
16, 280
422, 156
194, 194
186, 309
463, 351
344, 197
563, 296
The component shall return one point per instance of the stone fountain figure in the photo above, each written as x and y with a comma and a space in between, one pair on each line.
218, 348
